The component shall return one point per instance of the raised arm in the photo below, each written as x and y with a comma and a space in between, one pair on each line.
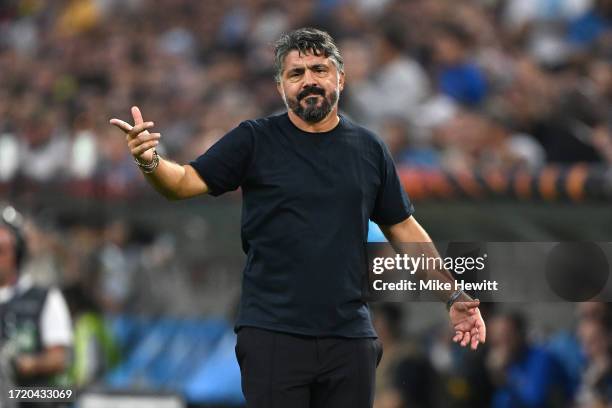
172, 180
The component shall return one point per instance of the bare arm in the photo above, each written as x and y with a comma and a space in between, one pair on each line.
464, 314
175, 181
172, 180
410, 231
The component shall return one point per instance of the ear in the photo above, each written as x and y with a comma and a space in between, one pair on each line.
341, 79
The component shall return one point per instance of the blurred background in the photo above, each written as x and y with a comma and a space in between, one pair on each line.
498, 114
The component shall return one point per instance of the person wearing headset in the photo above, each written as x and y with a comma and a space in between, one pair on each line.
35, 324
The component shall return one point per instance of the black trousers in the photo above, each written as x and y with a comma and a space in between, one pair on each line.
281, 370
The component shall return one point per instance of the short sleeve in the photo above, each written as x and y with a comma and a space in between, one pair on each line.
224, 166
392, 203
55, 322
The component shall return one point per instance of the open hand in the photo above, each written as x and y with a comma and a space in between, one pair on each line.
467, 324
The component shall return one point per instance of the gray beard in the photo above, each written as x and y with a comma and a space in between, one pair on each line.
313, 113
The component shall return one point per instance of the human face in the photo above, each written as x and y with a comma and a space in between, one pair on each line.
447, 50
503, 336
310, 85
8, 263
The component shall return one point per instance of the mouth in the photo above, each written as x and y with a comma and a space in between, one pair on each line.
311, 93
311, 96
311, 99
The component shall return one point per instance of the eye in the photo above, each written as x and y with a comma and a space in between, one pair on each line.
320, 71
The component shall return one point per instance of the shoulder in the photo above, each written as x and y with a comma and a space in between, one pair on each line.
55, 311
54, 298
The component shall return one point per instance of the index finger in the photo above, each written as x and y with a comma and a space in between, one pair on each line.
137, 115
470, 304
124, 126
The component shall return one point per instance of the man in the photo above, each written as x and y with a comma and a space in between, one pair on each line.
595, 334
524, 374
35, 326
310, 181
405, 377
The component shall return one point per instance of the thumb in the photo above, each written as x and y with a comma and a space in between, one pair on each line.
137, 115
470, 303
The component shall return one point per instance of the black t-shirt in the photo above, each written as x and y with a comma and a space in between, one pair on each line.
307, 198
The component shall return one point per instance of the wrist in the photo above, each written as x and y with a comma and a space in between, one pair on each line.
140, 162
457, 296
148, 167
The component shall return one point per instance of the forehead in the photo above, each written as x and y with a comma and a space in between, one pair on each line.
296, 59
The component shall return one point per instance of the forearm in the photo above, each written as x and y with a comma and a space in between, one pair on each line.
176, 182
409, 237
47, 362
166, 179
442, 275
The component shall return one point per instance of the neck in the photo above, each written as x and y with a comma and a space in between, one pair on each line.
327, 124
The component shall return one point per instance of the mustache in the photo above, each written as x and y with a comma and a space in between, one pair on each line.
311, 90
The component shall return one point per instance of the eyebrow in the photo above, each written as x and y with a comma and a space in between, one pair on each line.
312, 66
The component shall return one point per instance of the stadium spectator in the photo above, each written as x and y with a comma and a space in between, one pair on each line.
95, 351
35, 325
461, 379
511, 55
404, 377
594, 27
458, 77
596, 385
525, 375
399, 84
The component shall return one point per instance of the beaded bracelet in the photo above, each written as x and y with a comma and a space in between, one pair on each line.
148, 168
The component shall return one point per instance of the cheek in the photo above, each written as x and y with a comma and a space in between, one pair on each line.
330, 85
291, 91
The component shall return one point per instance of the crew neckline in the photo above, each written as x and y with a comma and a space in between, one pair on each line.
340, 122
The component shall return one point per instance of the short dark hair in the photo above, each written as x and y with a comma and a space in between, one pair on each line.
306, 40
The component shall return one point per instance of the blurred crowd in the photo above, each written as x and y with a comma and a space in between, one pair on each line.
454, 84
458, 85
124, 266
517, 367
119, 267
116, 266
106, 267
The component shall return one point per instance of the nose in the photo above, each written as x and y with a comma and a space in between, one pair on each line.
308, 80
